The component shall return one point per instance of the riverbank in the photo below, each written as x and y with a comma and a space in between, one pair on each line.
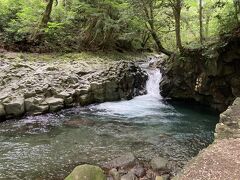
34, 84
146, 126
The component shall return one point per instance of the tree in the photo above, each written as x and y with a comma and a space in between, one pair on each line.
236, 4
148, 8
44, 21
201, 20
176, 8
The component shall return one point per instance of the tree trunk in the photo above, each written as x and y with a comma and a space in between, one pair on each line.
237, 9
177, 16
159, 44
46, 15
145, 38
201, 21
207, 27
44, 21
149, 14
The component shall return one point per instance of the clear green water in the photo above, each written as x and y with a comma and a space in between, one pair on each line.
45, 147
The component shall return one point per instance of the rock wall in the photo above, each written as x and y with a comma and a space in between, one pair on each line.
38, 87
210, 76
229, 124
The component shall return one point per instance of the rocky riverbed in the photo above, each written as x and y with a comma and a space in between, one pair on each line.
125, 167
37, 87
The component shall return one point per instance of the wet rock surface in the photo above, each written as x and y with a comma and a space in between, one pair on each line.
39, 87
209, 76
124, 167
86, 172
128, 167
125, 161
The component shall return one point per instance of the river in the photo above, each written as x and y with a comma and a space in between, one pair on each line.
49, 146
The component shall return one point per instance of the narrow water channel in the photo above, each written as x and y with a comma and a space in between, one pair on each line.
49, 146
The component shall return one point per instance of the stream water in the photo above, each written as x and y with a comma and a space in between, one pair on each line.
49, 146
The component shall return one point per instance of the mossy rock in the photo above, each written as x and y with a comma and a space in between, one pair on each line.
86, 172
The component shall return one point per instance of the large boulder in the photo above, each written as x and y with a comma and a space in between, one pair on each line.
86, 172
15, 107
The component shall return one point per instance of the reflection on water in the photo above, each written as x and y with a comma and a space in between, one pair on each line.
49, 146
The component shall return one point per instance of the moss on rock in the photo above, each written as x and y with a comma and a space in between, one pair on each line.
86, 172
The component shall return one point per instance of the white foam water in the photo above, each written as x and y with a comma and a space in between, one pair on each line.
139, 106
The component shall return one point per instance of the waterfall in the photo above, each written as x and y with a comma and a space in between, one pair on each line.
139, 106
152, 86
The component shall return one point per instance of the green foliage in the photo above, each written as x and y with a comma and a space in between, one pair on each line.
109, 24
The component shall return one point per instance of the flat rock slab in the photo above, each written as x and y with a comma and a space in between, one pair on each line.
220, 160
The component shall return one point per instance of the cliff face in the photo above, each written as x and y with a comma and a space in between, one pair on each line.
210, 76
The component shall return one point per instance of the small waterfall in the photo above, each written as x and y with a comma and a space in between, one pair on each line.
139, 106
152, 86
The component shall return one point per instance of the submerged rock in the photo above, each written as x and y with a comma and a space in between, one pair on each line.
79, 122
125, 161
159, 164
86, 172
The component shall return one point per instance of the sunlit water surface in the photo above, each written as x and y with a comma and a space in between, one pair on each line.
47, 147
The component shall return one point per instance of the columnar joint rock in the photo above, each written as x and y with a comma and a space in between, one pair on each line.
209, 76
36, 87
